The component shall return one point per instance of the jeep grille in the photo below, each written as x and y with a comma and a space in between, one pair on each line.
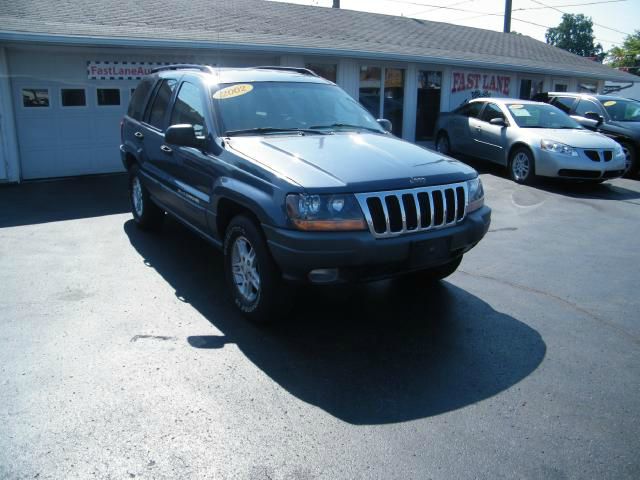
394, 213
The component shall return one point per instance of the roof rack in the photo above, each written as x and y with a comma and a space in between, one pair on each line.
184, 66
303, 71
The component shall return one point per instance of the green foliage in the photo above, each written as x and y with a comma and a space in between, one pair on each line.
628, 55
575, 34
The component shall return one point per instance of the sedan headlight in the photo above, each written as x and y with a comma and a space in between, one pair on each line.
476, 194
557, 147
325, 212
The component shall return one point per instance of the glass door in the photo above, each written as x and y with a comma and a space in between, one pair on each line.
428, 107
382, 93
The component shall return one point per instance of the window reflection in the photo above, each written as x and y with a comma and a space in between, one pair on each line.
370, 85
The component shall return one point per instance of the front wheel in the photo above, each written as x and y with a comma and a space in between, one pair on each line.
522, 166
442, 144
253, 278
146, 214
631, 168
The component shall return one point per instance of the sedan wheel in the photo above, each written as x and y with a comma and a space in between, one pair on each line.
521, 167
630, 168
442, 144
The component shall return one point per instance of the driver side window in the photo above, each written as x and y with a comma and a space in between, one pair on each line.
492, 111
189, 109
587, 106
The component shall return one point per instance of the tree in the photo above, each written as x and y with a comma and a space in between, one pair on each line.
628, 55
575, 34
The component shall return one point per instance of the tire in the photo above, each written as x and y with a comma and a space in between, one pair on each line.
146, 214
432, 275
443, 145
632, 169
253, 279
522, 168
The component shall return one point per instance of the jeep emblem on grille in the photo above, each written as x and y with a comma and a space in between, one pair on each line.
415, 180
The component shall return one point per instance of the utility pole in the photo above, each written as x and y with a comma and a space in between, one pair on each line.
336, 3
507, 16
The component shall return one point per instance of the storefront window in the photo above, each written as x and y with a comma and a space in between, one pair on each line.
370, 86
560, 87
35, 97
325, 70
530, 88
394, 98
428, 108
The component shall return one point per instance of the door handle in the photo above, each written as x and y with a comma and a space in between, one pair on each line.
166, 149
138, 135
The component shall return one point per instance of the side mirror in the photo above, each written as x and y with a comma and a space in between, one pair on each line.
182, 135
595, 116
498, 121
386, 124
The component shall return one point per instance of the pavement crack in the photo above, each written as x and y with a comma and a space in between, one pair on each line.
135, 338
634, 338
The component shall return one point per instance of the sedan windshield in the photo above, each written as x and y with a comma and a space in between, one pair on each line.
530, 115
288, 107
622, 110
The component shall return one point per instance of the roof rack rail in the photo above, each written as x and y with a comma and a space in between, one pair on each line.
184, 66
303, 71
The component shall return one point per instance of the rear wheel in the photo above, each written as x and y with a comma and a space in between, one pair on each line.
253, 278
522, 166
442, 144
146, 214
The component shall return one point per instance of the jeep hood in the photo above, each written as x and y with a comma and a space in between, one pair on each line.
354, 162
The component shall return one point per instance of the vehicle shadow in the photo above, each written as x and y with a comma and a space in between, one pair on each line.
367, 354
574, 189
64, 199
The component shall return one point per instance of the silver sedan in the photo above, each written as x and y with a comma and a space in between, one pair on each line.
531, 139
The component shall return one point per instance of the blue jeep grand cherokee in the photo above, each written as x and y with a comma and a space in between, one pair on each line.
294, 180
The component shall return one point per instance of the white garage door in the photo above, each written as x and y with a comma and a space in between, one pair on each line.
69, 130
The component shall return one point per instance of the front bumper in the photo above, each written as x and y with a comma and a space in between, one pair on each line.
358, 256
549, 164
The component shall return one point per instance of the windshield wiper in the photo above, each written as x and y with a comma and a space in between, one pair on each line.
347, 125
260, 130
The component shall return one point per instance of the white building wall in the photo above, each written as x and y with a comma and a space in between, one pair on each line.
9, 155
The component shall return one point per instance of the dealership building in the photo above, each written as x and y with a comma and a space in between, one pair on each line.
67, 69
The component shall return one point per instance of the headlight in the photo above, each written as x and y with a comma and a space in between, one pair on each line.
476, 194
557, 147
325, 212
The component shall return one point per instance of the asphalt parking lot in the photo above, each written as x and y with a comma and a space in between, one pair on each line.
120, 356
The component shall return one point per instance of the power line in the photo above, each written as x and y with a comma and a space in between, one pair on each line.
563, 12
571, 5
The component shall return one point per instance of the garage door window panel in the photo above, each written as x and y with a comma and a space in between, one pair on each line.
73, 97
35, 97
189, 109
108, 97
158, 109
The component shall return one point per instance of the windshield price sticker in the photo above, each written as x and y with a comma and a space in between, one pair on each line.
233, 91
609, 103
520, 111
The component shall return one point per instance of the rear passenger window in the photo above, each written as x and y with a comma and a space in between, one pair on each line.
189, 109
161, 102
492, 111
138, 97
563, 103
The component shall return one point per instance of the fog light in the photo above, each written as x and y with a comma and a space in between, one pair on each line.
323, 275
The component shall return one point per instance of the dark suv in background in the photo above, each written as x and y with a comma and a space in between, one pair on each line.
294, 180
615, 117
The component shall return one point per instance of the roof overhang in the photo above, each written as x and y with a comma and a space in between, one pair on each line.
101, 41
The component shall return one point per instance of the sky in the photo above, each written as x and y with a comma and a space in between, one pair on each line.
613, 19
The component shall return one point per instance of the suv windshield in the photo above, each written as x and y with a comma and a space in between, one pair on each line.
541, 116
274, 107
622, 110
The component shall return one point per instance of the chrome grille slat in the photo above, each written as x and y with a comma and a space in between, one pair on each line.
445, 205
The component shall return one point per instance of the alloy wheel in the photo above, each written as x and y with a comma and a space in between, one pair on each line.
520, 166
136, 197
245, 270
